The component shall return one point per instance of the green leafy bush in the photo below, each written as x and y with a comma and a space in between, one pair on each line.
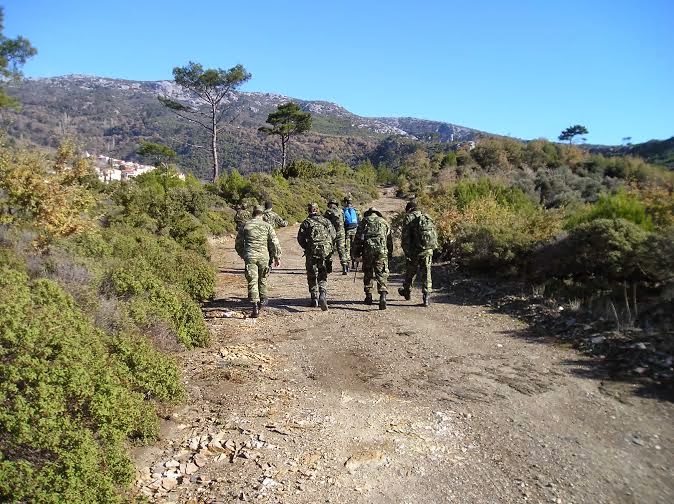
290, 196
152, 299
621, 205
595, 255
68, 401
167, 260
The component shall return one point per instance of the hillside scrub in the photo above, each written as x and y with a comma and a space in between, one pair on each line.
71, 396
97, 284
303, 183
585, 226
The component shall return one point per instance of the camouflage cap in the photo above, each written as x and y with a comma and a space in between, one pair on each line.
333, 201
258, 210
312, 207
348, 199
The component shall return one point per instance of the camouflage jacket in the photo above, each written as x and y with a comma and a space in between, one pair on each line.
336, 217
274, 219
373, 236
304, 233
257, 240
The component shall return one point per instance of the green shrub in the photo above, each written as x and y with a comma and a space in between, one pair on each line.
468, 191
596, 255
167, 260
489, 227
152, 300
68, 403
621, 205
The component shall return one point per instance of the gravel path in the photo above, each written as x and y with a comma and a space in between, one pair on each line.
449, 403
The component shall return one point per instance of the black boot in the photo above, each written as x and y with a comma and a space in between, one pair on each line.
368, 298
314, 301
405, 293
256, 310
322, 301
345, 269
382, 301
427, 299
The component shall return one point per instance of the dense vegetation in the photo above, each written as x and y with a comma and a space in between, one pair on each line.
99, 284
590, 228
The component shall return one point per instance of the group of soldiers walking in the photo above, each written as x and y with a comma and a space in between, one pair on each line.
356, 238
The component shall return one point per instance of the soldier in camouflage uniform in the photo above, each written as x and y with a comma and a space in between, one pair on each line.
418, 257
316, 237
375, 243
242, 216
256, 243
336, 217
350, 226
272, 217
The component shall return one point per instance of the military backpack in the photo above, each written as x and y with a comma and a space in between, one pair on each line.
374, 235
426, 233
319, 240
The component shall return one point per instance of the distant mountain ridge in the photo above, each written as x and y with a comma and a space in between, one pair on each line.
112, 116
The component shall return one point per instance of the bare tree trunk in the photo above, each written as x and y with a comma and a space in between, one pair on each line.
284, 158
214, 142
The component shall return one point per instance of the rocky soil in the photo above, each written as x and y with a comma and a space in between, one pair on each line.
451, 403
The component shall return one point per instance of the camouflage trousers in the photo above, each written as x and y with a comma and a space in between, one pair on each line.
350, 235
317, 274
257, 273
339, 246
375, 268
420, 264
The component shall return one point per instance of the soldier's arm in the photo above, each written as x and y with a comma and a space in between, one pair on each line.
273, 245
389, 244
405, 240
301, 236
238, 243
280, 221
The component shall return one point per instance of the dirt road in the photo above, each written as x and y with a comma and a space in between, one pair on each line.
408, 405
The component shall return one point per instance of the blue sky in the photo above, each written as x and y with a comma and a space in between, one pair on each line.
527, 68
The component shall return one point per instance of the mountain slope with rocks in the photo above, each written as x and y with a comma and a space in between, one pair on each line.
112, 116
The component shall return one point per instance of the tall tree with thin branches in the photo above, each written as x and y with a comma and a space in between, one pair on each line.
208, 90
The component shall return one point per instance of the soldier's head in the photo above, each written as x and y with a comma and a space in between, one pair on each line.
348, 200
333, 203
267, 205
411, 206
258, 210
372, 210
312, 208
